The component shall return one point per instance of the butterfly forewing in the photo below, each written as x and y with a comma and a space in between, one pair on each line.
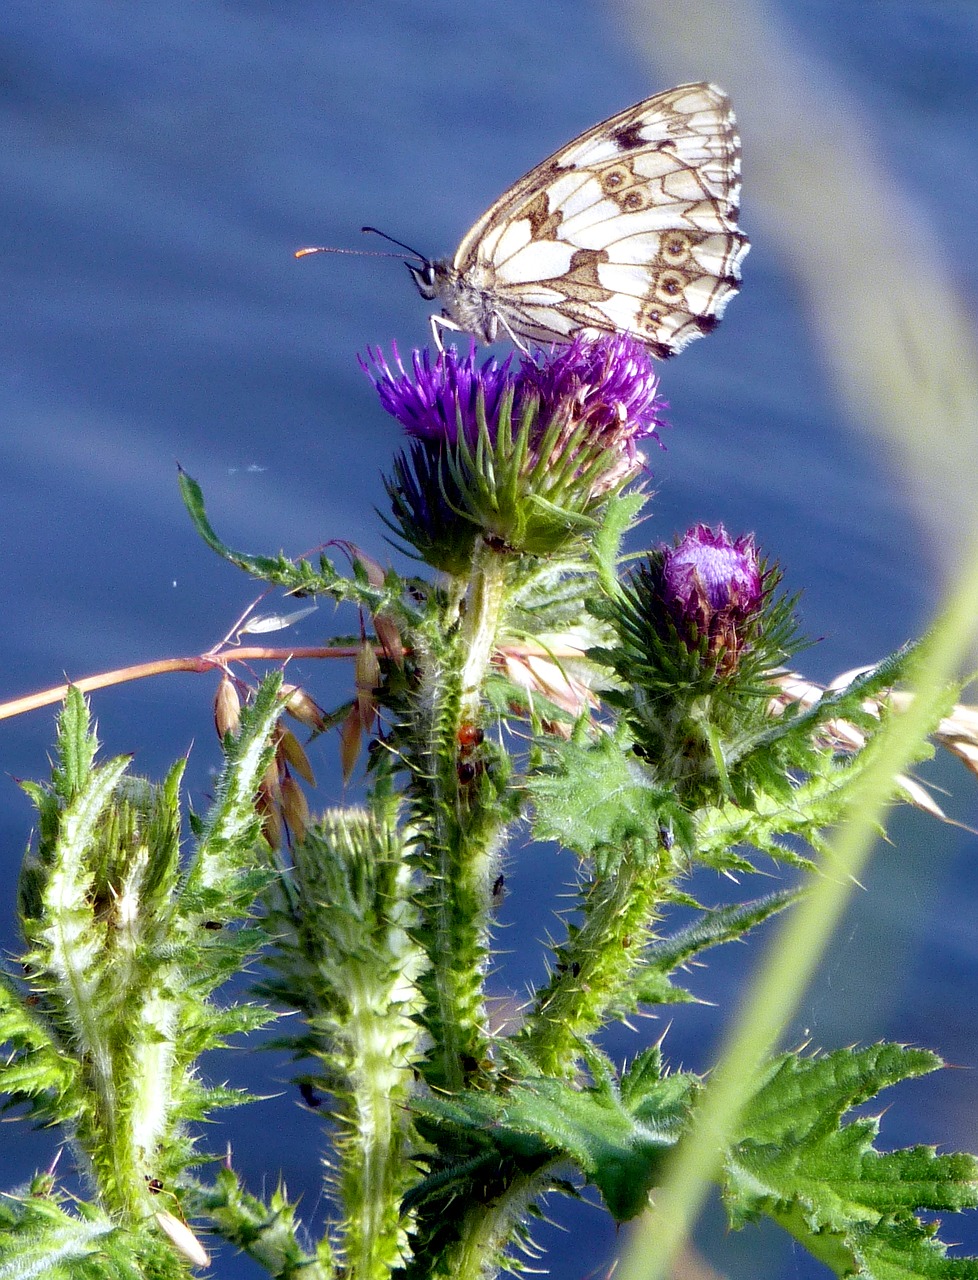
632, 227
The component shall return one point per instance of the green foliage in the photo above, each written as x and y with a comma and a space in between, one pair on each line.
616, 1133
537, 690
344, 957
653, 983
44, 1234
124, 948
849, 1204
267, 1233
297, 576
596, 799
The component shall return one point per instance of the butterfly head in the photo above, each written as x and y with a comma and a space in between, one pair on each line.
425, 276
424, 272
428, 275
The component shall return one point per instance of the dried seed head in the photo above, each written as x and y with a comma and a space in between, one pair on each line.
366, 674
183, 1239
389, 637
269, 785
294, 755
295, 809
351, 737
271, 821
302, 708
227, 708
371, 567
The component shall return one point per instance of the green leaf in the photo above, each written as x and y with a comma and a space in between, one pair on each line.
617, 518
101, 1031
849, 1204
652, 984
77, 745
616, 1133
40, 1237
298, 576
597, 801
267, 1232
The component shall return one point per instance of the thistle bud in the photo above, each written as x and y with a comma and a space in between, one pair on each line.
712, 588
699, 632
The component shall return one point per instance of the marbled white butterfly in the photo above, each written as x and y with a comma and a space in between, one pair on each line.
630, 228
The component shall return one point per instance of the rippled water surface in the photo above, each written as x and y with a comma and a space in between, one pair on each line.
159, 165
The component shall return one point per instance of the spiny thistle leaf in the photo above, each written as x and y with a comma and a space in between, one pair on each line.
616, 520
106, 1026
652, 984
617, 1134
45, 1235
849, 1204
597, 801
344, 958
293, 575
267, 1232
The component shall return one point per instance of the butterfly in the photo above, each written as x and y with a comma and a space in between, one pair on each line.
630, 228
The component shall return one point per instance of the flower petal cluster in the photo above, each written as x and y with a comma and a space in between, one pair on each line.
608, 382
713, 588
441, 396
518, 452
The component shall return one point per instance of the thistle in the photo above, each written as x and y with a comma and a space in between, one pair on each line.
640, 718
522, 455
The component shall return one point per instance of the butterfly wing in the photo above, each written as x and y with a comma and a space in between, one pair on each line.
632, 227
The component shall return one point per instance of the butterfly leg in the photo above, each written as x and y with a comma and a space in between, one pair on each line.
518, 343
438, 323
442, 322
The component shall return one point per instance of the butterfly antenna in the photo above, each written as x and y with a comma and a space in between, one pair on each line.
400, 243
357, 253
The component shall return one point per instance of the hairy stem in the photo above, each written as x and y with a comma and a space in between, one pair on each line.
593, 966
461, 821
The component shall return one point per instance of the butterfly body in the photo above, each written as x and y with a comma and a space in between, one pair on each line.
632, 227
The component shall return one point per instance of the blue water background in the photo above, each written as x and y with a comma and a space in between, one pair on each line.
158, 166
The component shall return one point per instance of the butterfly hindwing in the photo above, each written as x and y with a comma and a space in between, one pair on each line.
632, 227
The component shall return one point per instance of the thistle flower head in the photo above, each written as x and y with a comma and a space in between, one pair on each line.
518, 453
712, 588
439, 397
607, 382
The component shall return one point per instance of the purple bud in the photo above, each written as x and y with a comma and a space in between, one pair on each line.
713, 588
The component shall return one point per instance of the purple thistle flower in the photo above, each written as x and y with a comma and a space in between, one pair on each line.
431, 401
713, 588
608, 386
561, 425
609, 382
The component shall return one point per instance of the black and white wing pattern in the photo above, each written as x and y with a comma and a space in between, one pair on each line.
631, 228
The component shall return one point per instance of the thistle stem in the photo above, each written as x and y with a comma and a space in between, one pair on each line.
464, 823
480, 624
593, 966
